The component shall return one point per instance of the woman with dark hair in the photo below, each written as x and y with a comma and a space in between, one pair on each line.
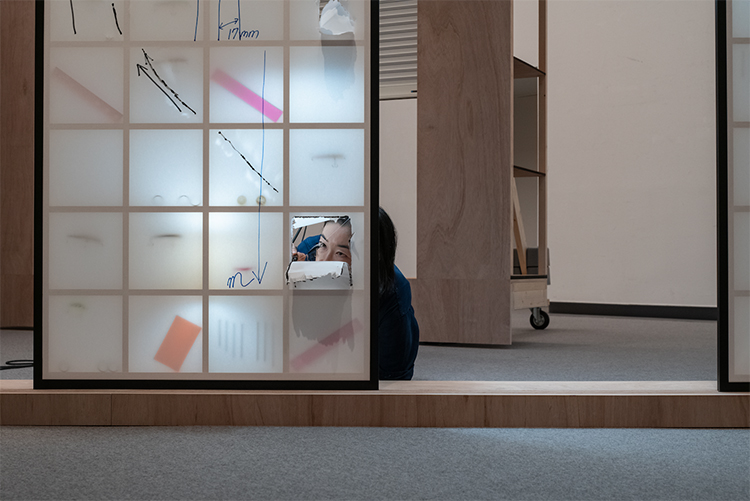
398, 333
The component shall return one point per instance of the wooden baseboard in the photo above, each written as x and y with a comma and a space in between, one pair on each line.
678, 404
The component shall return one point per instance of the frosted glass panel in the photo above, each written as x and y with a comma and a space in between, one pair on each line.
166, 167
246, 334
741, 18
85, 334
327, 84
166, 85
247, 167
327, 334
305, 20
740, 338
741, 82
85, 167
741, 251
166, 251
85, 85
246, 20
246, 251
741, 166
166, 334
180, 140
177, 20
358, 255
85, 251
85, 20
326, 167
247, 85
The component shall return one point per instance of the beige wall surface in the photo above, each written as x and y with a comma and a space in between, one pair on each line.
632, 152
398, 176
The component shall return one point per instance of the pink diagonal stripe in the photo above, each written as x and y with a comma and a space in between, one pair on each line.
325, 345
84, 93
246, 95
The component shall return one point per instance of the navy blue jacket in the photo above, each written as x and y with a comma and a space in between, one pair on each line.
398, 334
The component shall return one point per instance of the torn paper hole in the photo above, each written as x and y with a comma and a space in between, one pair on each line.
322, 253
335, 20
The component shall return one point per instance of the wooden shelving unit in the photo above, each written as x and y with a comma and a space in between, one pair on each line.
530, 290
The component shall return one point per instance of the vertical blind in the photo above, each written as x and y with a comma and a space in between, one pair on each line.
398, 49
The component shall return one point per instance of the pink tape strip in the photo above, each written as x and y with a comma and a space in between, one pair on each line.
84, 93
325, 345
246, 95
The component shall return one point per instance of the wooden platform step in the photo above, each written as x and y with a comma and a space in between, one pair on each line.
665, 404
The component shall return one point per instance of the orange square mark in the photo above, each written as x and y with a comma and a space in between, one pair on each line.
177, 343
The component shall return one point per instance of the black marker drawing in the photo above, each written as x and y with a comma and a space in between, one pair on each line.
73, 16
116, 22
145, 70
247, 162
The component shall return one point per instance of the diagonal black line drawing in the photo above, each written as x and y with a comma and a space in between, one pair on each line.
248, 162
150, 67
114, 11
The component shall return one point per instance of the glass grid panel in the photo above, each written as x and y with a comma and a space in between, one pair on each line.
160, 117
738, 190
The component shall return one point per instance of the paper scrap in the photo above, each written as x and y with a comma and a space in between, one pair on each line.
335, 20
177, 343
301, 271
301, 222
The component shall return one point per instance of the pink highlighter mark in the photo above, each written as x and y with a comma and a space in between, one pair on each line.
246, 95
325, 345
100, 104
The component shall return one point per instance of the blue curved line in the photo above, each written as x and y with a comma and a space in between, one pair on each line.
231, 280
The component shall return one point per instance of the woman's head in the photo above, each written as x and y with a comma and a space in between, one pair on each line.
334, 241
387, 241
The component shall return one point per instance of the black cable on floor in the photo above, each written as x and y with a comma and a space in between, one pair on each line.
17, 364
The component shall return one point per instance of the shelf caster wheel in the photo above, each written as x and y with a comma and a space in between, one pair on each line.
539, 319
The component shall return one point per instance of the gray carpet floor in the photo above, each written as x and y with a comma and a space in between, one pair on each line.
572, 348
370, 463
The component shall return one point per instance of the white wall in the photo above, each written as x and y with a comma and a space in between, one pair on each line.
398, 176
632, 152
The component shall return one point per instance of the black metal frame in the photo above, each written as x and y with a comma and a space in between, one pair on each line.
722, 204
41, 383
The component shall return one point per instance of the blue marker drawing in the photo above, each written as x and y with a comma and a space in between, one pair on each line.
197, 14
218, 32
262, 144
232, 281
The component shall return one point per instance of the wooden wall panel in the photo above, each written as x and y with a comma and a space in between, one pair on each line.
17, 22
464, 161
